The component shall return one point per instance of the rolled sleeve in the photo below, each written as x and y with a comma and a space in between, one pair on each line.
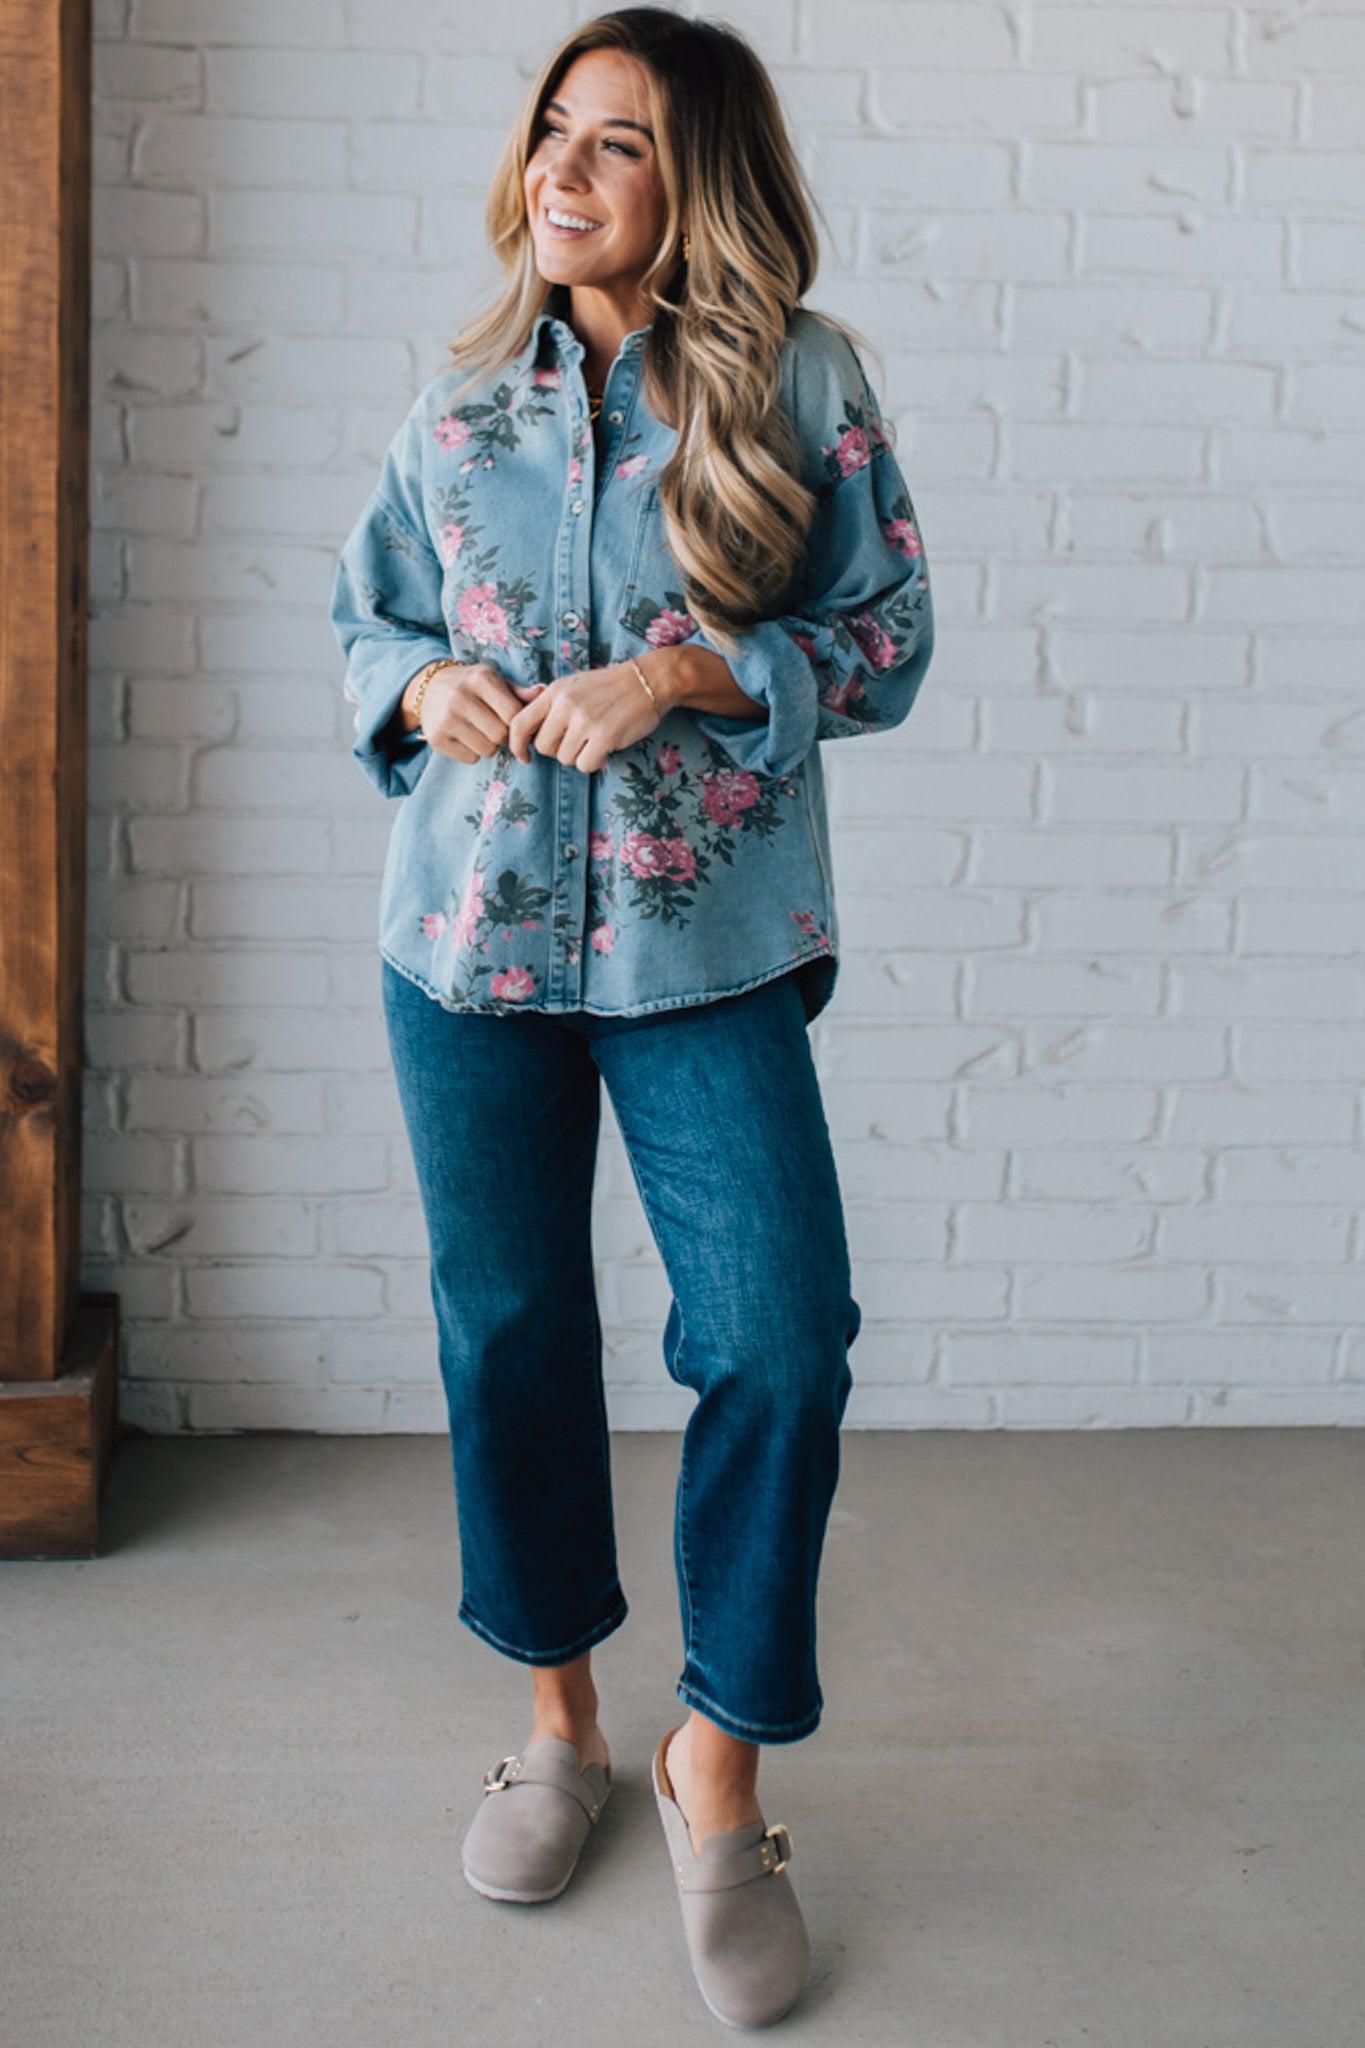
387, 615
849, 659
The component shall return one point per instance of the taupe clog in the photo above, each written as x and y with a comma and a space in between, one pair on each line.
746, 1935
537, 1811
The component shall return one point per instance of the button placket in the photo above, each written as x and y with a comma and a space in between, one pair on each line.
568, 938
568, 930
627, 369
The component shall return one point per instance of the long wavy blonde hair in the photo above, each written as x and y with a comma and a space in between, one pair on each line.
736, 512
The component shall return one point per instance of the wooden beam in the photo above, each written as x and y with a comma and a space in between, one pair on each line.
55, 1442
58, 1377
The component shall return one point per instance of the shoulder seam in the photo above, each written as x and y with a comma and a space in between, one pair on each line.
383, 499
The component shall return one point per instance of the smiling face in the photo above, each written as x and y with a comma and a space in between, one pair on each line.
594, 159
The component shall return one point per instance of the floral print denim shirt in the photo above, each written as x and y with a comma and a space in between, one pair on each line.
695, 863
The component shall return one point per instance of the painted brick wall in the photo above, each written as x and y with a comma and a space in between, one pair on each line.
1095, 1065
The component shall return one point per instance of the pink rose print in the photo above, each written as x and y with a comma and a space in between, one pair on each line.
481, 616
599, 844
548, 380
875, 641
645, 855
727, 794
513, 984
451, 433
681, 860
464, 925
603, 937
852, 450
451, 539
497, 789
674, 824
575, 471
905, 535
632, 465
433, 924
805, 921
844, 696
666, 628
806, 644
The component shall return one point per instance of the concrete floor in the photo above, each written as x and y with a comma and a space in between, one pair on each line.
1091, 1774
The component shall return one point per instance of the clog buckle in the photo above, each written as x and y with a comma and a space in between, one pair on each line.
499, 1777
784, 1847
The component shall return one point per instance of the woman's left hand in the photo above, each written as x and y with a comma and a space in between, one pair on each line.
579, 719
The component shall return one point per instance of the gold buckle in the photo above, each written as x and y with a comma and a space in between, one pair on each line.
499, 1778
785, 1851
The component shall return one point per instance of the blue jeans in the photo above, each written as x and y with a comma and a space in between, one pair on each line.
719, 1107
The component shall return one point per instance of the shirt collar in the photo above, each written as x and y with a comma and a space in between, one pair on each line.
556, 317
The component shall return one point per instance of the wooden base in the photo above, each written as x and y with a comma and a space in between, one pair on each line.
55, 1438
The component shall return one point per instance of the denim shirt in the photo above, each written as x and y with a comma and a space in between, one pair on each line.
695, 863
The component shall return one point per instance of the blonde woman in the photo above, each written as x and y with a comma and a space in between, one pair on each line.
630, 558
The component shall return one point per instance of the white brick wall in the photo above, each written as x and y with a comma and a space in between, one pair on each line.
1095, 1066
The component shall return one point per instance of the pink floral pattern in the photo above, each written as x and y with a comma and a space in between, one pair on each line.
510, 530
860, 436
662, 625
809, 929
513, 984
676, 827
903, 533
478, 918
480, 616
449, 540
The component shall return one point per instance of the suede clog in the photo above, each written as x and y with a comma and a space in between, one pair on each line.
538, 1809
745, 1932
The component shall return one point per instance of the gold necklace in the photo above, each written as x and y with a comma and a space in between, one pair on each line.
594, 403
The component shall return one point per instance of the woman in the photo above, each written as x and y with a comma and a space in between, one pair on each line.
611, 589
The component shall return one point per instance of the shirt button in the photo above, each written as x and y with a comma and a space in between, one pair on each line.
571, 618
571, 851
616, 418
577, 505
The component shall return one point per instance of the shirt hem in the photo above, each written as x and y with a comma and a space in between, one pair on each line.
823, 952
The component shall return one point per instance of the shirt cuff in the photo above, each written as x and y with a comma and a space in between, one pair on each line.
770, 668
395, 766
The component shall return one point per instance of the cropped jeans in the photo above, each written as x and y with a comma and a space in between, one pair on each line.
719, 1108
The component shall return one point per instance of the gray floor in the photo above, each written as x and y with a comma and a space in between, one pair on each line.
1092, 1768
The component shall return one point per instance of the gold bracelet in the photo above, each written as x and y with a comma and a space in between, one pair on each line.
426, 675
643, 678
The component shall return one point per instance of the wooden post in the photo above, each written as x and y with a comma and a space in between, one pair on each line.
58, 1349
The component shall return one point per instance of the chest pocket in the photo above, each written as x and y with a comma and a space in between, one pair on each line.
653, 607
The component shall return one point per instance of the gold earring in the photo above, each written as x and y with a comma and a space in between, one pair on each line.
687, 248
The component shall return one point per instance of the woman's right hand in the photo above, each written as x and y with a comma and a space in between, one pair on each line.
467, 709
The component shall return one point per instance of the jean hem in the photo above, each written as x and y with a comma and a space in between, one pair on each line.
563, 1654
749, 1731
